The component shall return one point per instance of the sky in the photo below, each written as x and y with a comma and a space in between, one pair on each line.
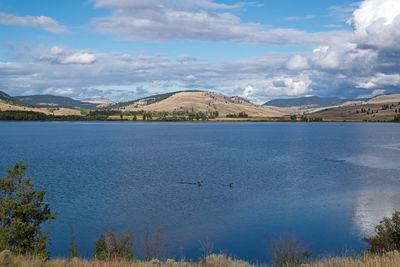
259, 50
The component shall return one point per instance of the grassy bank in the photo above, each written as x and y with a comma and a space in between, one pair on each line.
391, 259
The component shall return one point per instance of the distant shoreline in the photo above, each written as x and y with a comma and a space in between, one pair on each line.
145, 116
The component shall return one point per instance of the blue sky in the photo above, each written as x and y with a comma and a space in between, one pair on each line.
125, 49
272, 14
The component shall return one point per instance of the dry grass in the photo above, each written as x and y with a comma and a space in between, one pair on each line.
61, 111
211, 261
391, 259
208, 102
349, 113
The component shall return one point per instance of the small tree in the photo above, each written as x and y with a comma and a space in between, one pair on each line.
22, 211
288, 251
155, 247
206, 247
387, 236
73, 247
112, 246
100, 249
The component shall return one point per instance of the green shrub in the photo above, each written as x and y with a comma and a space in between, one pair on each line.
387, 236
22, 211
112, 246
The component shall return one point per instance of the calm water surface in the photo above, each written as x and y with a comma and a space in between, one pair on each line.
329, 183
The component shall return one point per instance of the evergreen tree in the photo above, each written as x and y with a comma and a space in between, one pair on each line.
22, 211
100, 249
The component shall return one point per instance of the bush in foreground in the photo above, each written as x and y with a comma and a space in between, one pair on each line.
22, 211
286, 250
113, 247
387, 236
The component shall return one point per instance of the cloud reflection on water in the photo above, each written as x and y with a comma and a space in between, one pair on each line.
374, 162
371, 205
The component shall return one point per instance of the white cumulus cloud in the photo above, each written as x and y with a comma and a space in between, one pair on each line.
163, 20
41, 22
58, 55
364, 61
297, 63
377, 23
79, 58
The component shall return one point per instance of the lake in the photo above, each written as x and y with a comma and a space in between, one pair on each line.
327, 183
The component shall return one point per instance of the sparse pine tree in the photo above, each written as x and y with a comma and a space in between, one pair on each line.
22, 211
100, 249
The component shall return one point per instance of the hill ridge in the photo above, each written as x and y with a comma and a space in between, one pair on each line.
54, 101
310, 101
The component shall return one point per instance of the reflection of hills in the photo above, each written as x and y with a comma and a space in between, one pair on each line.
372, 205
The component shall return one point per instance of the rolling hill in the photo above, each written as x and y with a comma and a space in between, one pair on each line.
389, 98
200, 101
8, 106
9, 99
145, 100
99, 102
8, 102
379, 108
307, 102
54, 101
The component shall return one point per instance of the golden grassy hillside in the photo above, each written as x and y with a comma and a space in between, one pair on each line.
61, 111
208, 102
392, 98
373, 112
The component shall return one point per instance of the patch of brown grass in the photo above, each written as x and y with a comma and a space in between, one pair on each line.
391, 259
61, 111
211, 261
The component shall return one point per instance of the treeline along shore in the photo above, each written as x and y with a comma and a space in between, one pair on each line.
116, 115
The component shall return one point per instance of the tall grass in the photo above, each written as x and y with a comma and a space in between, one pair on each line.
391, 259
26, 261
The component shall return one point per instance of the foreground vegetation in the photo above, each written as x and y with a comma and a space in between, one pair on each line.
390, 259
22, 243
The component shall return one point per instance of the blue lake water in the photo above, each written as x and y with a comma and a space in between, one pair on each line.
328, 183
